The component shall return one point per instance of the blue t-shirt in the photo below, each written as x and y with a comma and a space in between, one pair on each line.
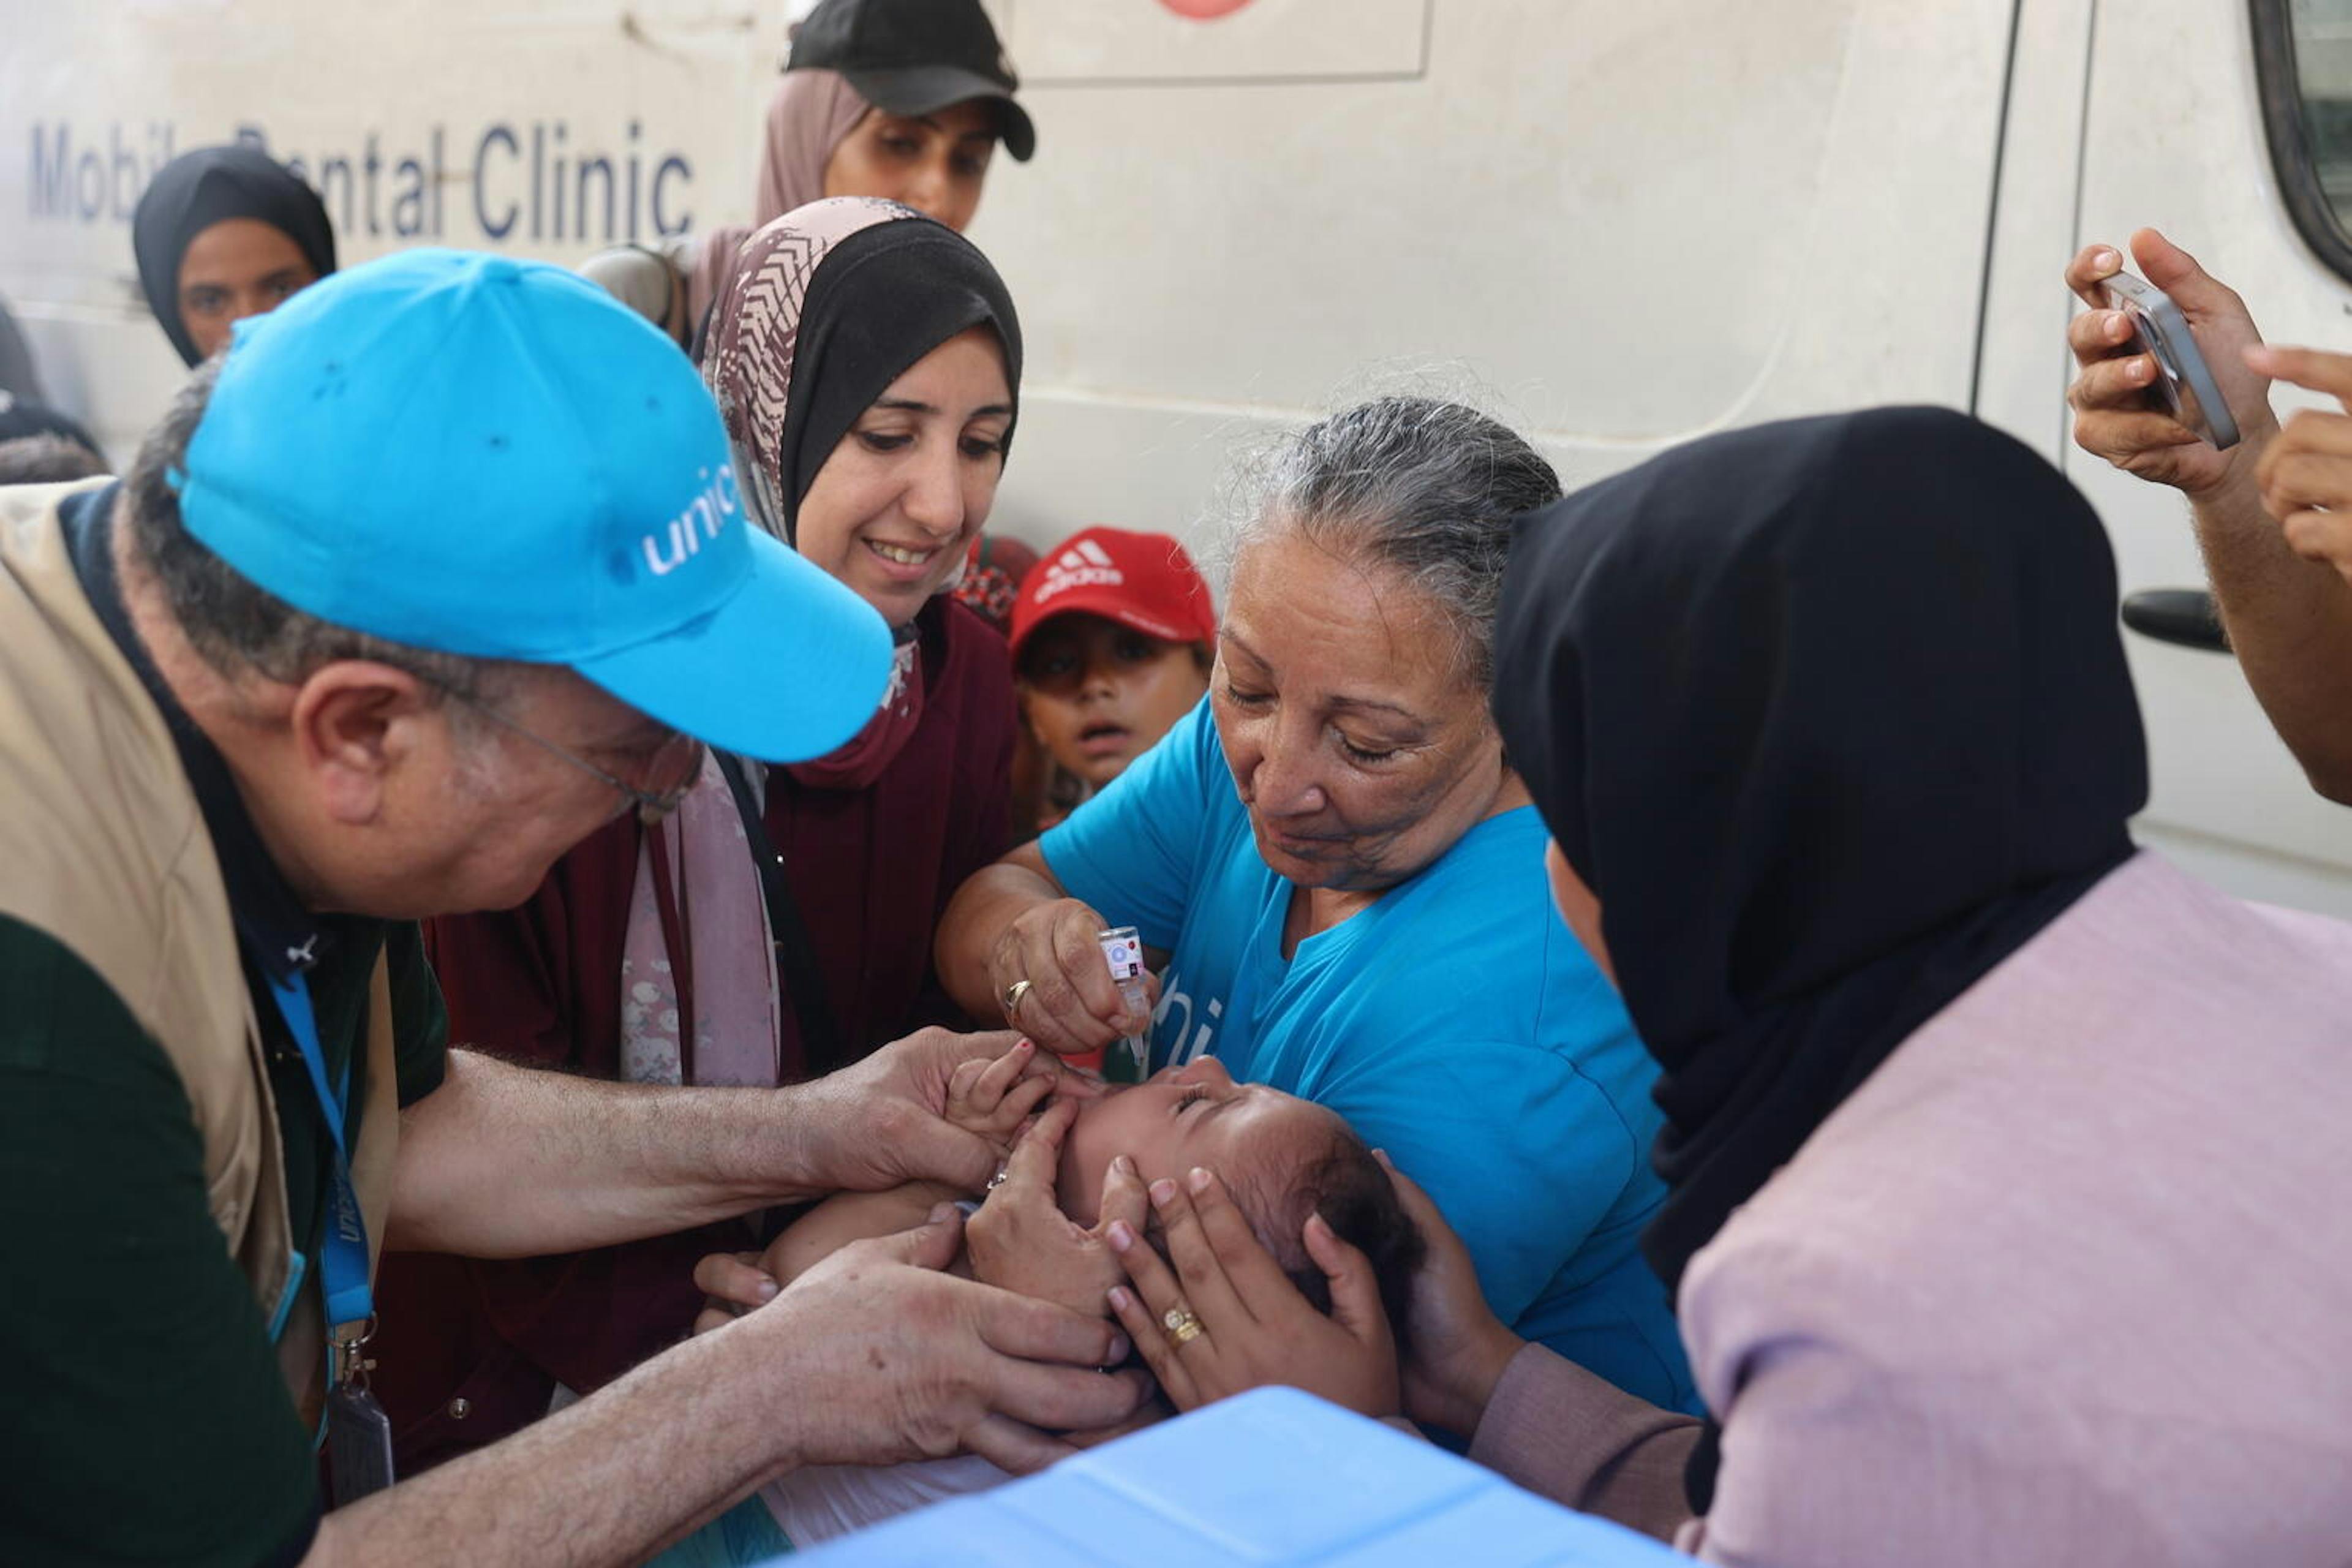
1454, 1023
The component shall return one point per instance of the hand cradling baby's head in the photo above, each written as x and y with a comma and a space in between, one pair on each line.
1282, 1158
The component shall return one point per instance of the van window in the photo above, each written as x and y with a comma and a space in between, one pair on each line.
2303, 53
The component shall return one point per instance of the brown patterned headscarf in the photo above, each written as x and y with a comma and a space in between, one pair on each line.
825, 308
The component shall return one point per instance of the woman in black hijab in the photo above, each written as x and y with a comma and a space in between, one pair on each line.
1903, 740
1830, 716
224, 233
2000, 1198
2006, 1161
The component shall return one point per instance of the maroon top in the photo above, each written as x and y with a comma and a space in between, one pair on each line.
871, 871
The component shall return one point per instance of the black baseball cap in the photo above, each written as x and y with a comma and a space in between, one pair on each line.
911, 57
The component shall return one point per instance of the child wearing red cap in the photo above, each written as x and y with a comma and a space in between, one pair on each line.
1112, 640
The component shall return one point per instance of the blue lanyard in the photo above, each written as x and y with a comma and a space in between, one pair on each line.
343, 1252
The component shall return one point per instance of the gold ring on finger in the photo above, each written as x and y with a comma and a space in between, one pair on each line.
1184, 1326
1013, 995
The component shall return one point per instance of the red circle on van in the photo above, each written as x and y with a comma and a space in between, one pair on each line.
1204, 10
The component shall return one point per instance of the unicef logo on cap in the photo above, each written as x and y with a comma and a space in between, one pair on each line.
669, 547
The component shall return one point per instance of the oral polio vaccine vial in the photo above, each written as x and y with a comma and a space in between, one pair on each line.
1128, 1060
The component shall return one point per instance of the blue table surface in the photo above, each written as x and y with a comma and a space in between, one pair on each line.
1275, 1479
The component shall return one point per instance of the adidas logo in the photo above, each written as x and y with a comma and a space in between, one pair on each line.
1085, 564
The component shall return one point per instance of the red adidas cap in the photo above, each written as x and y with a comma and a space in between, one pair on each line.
1141, 580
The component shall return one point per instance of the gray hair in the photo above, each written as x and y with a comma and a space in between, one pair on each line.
1420, 487
234, 624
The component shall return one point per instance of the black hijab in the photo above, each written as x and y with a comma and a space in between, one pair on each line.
209, 185
1831, 716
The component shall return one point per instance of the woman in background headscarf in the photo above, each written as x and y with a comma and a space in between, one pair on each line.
868, 363
224, 233
2006, 1160
906, 102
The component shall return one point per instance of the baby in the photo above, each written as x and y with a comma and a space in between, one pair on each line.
1282, 1159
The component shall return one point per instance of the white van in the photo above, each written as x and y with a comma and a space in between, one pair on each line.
1632, 223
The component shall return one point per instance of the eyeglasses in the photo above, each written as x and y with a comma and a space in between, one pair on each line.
682, 753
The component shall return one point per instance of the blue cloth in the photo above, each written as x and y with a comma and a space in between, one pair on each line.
1272, 1478
1454, 1023
746, 1533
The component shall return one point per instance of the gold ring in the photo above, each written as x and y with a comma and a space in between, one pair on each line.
1012, 995
1183, 1326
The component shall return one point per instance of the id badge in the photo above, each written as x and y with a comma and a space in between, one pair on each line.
358, 1444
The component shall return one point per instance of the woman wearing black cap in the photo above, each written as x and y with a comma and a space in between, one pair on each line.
222, 233
941, 90
905, 99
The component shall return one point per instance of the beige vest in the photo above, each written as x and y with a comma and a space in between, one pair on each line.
104, 847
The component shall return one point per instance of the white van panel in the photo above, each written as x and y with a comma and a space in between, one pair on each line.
2023, 364
1629, 224
2174, 139
434, 122
1058, 43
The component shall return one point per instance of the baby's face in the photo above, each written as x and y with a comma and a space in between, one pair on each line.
1188, 1116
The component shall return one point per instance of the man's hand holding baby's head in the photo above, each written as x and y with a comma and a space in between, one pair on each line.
1022, 1240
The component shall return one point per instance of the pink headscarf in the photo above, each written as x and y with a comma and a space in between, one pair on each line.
699, 997
812, 111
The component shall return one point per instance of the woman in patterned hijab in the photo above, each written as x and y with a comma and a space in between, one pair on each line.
826, 306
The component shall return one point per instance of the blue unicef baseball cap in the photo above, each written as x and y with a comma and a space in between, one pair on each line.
496, 459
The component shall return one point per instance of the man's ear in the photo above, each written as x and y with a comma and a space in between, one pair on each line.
353, 722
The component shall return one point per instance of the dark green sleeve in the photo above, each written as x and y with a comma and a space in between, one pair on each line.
420, 1024
144, 1418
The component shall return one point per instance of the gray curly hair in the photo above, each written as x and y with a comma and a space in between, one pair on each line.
1422, 488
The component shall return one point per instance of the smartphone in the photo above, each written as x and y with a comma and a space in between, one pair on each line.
2184, 383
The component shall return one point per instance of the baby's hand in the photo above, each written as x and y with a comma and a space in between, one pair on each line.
992, 1098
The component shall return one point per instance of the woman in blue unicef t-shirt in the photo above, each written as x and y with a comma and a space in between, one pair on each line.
1345, 882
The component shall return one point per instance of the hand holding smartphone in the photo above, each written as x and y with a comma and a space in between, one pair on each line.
2184, 383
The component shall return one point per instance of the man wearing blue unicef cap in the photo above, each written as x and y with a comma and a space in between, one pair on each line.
438, 567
